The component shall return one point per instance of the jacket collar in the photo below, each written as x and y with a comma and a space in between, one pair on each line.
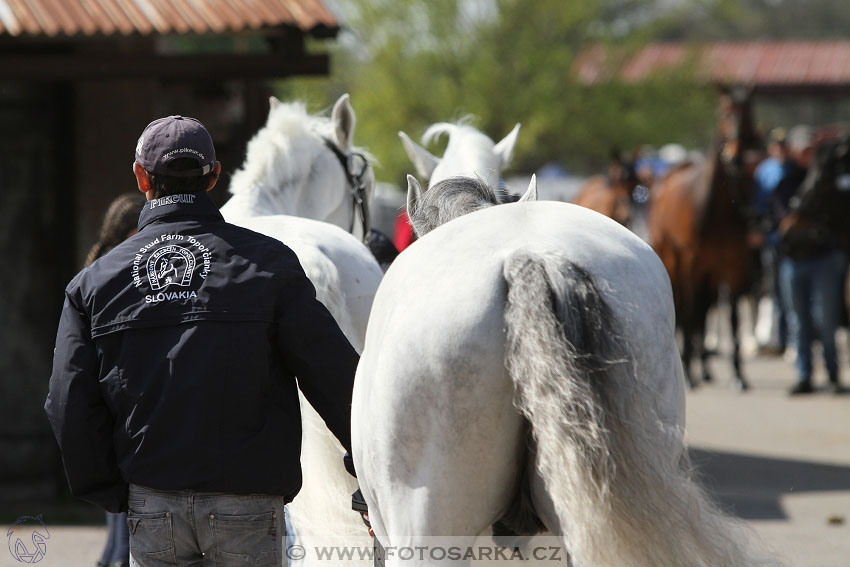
190, 205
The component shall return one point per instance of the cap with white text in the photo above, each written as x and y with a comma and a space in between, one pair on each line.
175, 137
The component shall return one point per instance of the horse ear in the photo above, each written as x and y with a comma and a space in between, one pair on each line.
344, 120
414, 193
274, 102
531, 192
423, 160
505, 148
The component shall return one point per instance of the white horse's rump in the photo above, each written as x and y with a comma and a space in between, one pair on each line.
290, 172
553, 314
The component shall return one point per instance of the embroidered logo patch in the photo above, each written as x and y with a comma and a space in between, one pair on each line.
168, 263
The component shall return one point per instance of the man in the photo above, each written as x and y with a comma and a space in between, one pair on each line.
770, 174
814, 243
175, 393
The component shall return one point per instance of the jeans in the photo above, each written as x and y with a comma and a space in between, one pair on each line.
771, 261
813, 294
187, 527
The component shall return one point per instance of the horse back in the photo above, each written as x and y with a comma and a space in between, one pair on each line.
613, 201
673, 209
457, 270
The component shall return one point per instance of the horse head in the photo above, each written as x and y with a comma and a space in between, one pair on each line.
738, 150
623, 181
469, 153
306, 166
452, 198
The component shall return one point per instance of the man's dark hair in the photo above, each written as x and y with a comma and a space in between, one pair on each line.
164, 185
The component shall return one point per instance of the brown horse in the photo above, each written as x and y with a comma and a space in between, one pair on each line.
611, 194
698, 225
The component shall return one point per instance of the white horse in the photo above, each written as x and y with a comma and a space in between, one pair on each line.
305, 166
469, 153
298, 166
521, 367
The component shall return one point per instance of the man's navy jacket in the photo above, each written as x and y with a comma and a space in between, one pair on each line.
177, 356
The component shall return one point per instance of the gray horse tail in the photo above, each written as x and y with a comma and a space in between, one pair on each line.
618, 480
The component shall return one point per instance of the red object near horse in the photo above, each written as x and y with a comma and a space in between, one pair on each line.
699, 226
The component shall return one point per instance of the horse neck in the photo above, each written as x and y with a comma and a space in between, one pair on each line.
255, 201
344, 217
717, 198
258, 198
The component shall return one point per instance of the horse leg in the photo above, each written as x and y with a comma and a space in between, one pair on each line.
740, 381
687, 354
454, 492
436, 443
685, 322
703, 302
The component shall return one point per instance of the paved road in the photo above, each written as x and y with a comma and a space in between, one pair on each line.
781, 464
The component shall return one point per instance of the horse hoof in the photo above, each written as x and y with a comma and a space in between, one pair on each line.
741, 385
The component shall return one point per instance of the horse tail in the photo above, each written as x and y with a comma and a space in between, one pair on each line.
619, 481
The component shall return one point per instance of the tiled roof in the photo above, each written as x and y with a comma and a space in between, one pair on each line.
110, 17
758, 63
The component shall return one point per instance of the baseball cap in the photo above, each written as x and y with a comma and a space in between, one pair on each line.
175, 137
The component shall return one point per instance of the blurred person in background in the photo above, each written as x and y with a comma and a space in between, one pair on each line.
814, 236
774, 171
119, 223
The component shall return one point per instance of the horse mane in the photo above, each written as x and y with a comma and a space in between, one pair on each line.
749, 136
449, 199
284, 149
276, 155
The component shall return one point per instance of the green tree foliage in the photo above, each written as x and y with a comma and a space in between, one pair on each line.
751, 20
410, 63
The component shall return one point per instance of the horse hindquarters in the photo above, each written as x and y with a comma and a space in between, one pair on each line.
434, 433
610, 474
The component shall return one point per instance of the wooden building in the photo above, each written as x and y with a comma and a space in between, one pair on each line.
79, 81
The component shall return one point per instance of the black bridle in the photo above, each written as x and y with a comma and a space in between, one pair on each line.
355, 165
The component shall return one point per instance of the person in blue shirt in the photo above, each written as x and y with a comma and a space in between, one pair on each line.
768, 176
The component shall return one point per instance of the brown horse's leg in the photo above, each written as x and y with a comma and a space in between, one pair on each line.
687, 351
740, 381
679, 265
702, 302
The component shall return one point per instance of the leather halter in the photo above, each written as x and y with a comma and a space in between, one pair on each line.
356, 184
